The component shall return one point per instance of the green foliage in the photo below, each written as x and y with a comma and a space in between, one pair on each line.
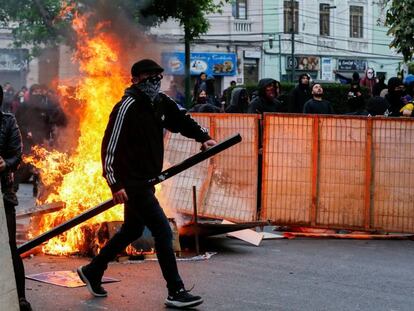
190, 13
400, 18
33, 22
40, 23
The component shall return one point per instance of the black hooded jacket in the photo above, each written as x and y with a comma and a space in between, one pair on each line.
260, 103
133, 147
299, 96
11, 152
236, 104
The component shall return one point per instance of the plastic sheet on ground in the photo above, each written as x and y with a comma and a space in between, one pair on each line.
63, 278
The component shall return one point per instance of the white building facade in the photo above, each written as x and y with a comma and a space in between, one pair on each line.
230, 51
331, 36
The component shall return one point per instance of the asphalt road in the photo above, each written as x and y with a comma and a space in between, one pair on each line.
298, 274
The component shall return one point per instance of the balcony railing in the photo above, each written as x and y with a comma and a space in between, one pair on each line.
242, 26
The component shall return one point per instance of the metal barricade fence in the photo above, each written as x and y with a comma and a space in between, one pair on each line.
338, 172
226, 184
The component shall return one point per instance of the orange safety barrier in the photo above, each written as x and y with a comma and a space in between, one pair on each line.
338, 172
226, 184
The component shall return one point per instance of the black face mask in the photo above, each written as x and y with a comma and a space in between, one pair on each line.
201, 100
397, 94
151, 86
37, 100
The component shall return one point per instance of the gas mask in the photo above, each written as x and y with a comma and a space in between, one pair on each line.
150, 86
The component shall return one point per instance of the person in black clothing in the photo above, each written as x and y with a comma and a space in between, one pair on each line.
266, 99
132, 152
356, 100
379, 85
204, 104
318, 105
300, 94
200, 84
10, 157
239, 102
346, 80
396, 90
226, 96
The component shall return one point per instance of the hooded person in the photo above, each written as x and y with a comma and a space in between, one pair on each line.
409, 84
379, 85
300, 94
203, 103
369, 80
10, 158
355, 99
377, 106
266, 99
239, 101
396, 90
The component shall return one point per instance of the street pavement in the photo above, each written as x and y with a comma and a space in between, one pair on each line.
297, 274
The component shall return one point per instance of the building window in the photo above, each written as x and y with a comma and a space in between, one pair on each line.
324, 19
287, 14
239, 9
356, 21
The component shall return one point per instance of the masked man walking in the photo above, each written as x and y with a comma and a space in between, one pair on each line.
132, 152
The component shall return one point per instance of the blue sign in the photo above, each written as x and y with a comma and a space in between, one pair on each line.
217, 64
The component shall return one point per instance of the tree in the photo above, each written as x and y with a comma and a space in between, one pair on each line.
41, 23
46, 22
400, 18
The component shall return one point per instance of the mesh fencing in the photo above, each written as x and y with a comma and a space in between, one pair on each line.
322, 171
227, 183
338, 172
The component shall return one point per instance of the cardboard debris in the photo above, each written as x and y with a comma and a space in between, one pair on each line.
271, 236
247, 235
64, 278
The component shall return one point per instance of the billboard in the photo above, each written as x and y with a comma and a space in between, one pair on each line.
217, 64
306, 63
352, 64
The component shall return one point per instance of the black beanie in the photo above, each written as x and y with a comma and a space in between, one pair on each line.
145, 66
393, 83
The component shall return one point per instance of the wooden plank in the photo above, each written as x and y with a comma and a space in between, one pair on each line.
42, 209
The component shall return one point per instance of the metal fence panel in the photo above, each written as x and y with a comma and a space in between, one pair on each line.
287, 169
393, 198
339, 172
341, 181
226, 184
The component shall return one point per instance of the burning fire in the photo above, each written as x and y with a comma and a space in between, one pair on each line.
76, 178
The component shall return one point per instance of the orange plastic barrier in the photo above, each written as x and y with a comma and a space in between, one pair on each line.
339, 172
227, 184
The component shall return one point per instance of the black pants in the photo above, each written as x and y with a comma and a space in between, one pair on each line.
17, 260
142, 209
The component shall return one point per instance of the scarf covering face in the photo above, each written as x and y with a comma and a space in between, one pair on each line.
150, 87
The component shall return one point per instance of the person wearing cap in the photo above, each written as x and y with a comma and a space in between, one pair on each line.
10, 158
132, 152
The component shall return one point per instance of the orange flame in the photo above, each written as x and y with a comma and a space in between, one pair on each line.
77, 178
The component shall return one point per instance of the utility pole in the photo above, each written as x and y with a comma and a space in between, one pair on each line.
187, 67
292, 13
